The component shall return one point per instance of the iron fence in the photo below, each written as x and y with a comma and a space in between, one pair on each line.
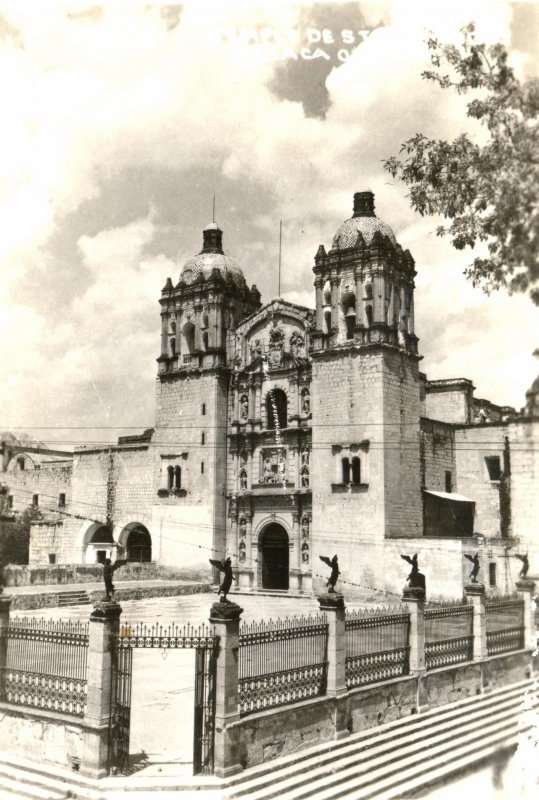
281, 662
448, 635
377, 645
505, 625
44, 664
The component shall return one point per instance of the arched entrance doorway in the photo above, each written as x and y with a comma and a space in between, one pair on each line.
138, 545
273, 553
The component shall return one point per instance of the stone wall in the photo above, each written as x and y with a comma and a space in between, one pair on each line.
17, 575
191, 432
270, 734
472, 446
437, 455
41, 736
449, 401
47, 480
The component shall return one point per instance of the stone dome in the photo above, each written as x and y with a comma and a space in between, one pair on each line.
211, 257
364, 221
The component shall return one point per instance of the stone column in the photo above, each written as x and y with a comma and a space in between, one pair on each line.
225, 616
319, 303
251, 415
332, 604
475, 594
104, 626
414, 599
295, 568
526, 589
5, 606
335, 304
360, 311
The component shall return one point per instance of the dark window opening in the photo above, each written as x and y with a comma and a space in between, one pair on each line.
139, 545
202, 468
61, 500
448, 481
170, 478
345, 463
327, 321
493, 467
10, 501
20, 463
368, 313
172, 346
52, 558
356, 470
102, 535
35, 500
492, 574
350, 325
202, 438
203, 409
277, 409
205, 340
100, 556
368, 291
177, 477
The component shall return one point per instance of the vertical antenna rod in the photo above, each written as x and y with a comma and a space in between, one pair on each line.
213, 212
280, 243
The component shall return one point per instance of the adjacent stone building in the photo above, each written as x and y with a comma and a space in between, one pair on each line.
283, 433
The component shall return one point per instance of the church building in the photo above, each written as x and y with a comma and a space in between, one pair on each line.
283, 433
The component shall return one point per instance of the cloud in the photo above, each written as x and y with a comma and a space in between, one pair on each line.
126, 90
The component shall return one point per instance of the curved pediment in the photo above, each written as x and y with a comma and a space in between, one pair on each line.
275, 337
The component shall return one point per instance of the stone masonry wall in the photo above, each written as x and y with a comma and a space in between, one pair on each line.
399, 438
437, 455
347, 409
523, 439
46, 480
448, 405
472, 445
191, 432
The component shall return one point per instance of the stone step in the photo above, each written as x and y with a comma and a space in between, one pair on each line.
366, 775
14, 787
420, 725
407, 739
73, 598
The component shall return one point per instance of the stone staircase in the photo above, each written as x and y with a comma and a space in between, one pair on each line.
73, 598
394, 760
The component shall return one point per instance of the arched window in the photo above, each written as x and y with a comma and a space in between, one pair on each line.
356, 470
170, 478
368, 291
139, 545
345, 464
205, 339
350, 320
177, 477
172, 342
327, 320
277, 409
205, 320
189, 335
368, 314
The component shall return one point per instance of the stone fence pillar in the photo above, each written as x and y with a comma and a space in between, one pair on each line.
526, 589
414, 598
104, 626
225, 616
475, 595
332, 604
5, 606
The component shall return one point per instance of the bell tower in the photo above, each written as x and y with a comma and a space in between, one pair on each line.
365, 395
199, 316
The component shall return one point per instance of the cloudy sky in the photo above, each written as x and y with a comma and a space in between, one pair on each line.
120, 121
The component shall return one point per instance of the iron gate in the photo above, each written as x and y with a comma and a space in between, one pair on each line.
204, 642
